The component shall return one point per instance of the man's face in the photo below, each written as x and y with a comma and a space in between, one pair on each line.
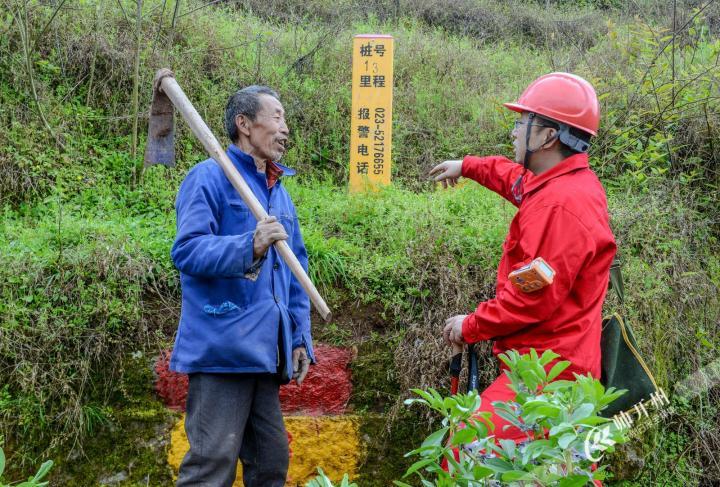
269, 132
538, 136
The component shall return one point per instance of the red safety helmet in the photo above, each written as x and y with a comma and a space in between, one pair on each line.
563, 97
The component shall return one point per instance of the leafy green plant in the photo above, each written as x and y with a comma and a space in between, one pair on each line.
322, 480
560, 419
660, 128
34, 481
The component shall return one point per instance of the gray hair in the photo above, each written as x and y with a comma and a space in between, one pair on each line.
244, 102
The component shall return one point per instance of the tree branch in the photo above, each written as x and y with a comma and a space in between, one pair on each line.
21, 19
42, 32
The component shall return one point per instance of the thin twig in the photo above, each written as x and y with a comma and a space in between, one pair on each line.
119, 2
75, 86
159, 29
213, 2
662, 125
150, 11
136, 84
709, 129
674, 34
235, 46
42, 32
173, 23
92, 72
297, 65
21, 18
259, 50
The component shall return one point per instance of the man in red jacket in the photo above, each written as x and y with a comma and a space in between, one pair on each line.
562, 217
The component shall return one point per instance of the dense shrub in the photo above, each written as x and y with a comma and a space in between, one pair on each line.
85, 275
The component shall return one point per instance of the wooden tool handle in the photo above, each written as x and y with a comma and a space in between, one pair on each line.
171, 88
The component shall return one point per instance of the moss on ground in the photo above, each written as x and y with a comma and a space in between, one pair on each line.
129, 451
130, 446
374, 374
385, 446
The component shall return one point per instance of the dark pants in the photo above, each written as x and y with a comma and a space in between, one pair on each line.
231, 416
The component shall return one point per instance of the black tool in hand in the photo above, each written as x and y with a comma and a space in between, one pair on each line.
473, 379
455, 365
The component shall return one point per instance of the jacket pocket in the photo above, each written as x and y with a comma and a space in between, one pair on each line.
222, 309
288, 222
238, 206
237, 218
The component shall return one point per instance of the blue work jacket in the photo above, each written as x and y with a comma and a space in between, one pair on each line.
237, 315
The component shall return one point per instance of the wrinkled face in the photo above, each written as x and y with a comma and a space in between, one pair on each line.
268, 133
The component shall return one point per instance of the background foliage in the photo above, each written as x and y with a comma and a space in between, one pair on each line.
88, 294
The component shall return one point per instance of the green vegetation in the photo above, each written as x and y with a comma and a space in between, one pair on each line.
88, 294
560, 420
34, 481
564, 434
323, 481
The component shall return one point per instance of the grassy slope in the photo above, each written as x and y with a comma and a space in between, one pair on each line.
86, 280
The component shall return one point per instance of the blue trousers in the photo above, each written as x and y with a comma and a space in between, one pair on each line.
231, 417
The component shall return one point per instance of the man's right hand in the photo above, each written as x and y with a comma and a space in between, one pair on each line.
267, 232
447, 172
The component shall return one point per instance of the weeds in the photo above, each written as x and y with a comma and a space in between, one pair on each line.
73, 309
34, 481
85, 276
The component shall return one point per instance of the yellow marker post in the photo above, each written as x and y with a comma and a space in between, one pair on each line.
371, 126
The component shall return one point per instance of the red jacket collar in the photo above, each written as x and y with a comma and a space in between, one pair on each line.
272, 173
572, 163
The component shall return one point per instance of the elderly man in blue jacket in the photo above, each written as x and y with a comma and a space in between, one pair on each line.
245, 323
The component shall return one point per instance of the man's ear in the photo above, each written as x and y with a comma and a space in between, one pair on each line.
243, 125
551, 139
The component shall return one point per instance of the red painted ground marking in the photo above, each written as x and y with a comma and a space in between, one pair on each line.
326, 389
170, 386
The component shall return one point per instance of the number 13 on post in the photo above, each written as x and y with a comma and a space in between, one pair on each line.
371, 115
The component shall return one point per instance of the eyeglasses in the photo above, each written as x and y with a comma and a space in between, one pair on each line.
520, 122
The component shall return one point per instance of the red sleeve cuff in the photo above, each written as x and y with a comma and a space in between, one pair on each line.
470, 165
474, 329
468, 327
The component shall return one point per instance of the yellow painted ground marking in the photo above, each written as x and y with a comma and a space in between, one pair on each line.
329, 442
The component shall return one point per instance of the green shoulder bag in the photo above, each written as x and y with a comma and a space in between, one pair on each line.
622, 365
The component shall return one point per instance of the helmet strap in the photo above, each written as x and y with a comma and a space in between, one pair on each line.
528, 150
528, 128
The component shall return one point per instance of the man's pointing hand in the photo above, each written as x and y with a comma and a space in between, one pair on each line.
447, 172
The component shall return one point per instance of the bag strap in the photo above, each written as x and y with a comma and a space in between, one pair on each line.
616, 281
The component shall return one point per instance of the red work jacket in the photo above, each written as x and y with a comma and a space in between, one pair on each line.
563, 218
